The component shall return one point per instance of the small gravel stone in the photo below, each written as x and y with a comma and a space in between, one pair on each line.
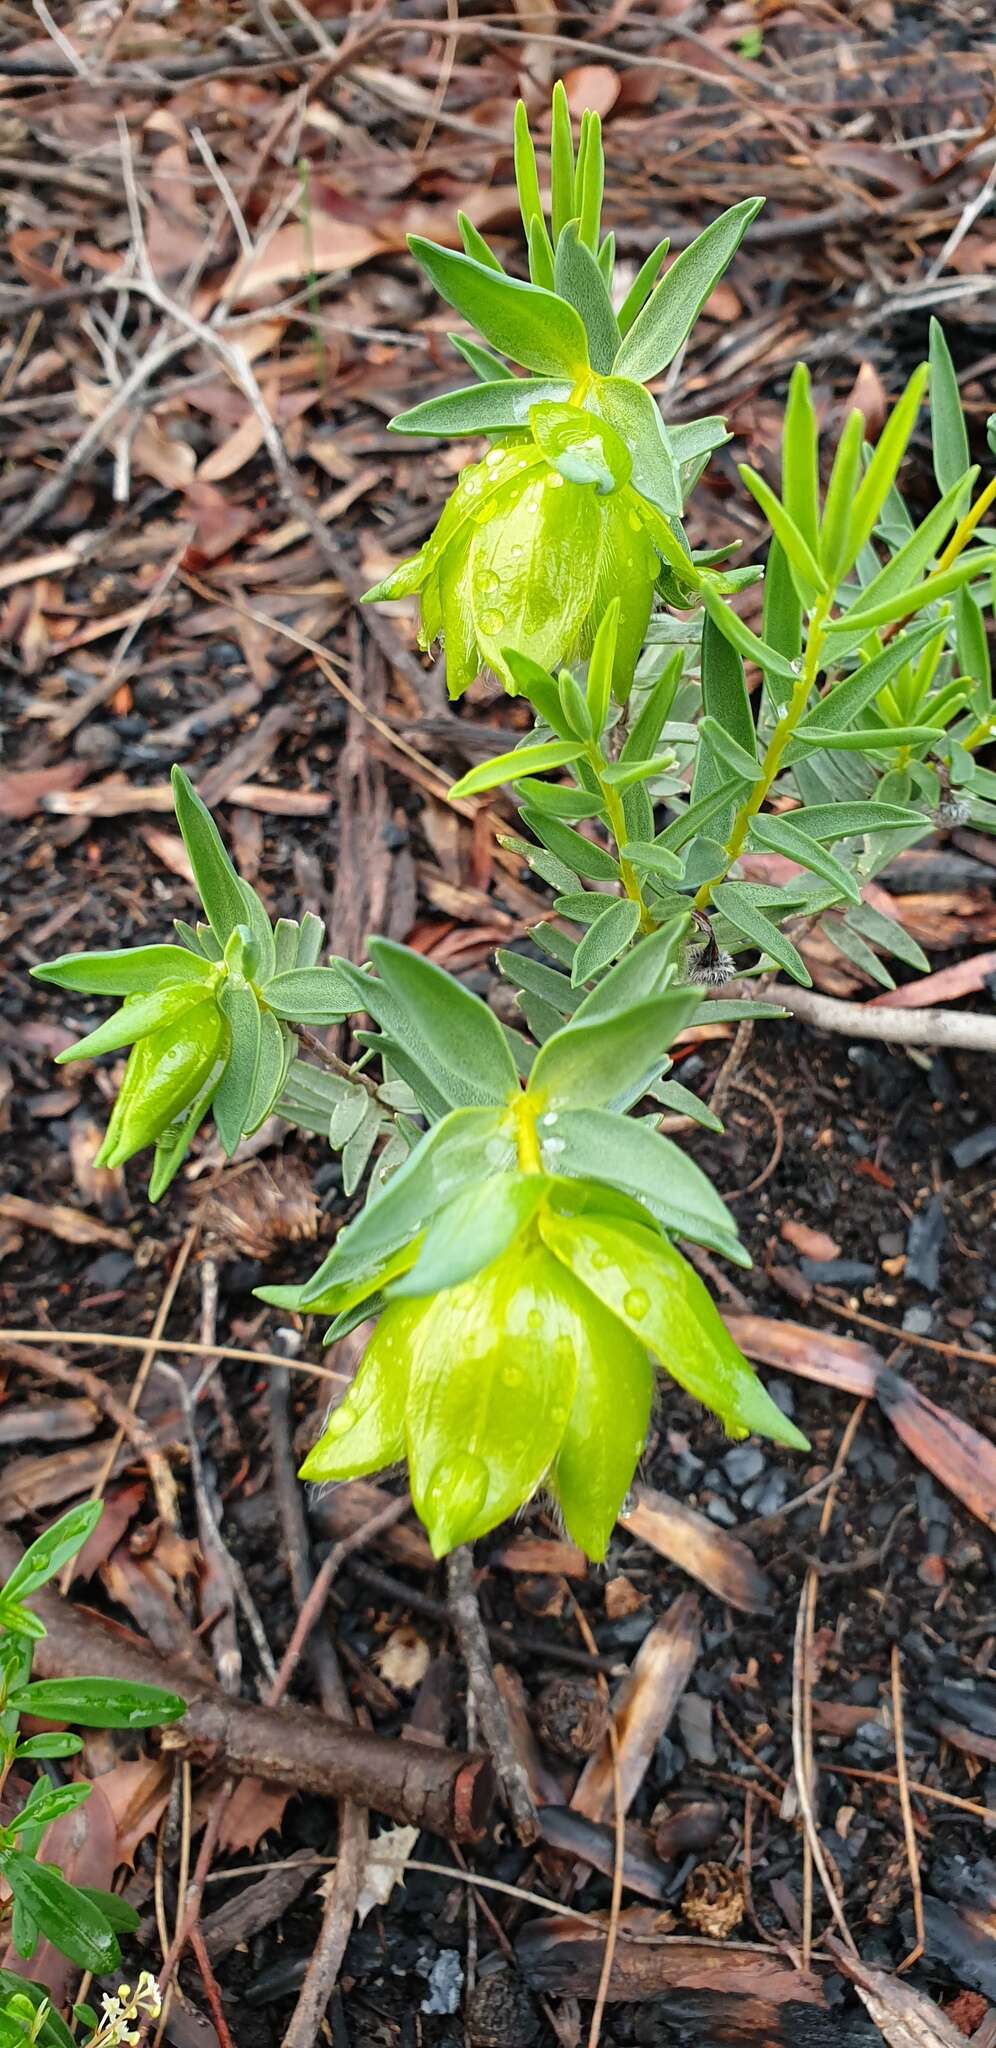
923, 1246
838, 1272
743, 1463
917, 1320
445, 1983
978, 1145
720, 1511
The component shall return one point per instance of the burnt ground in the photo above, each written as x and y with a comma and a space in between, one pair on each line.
880, 1156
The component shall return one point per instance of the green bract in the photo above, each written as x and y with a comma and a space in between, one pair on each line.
530, 549
208, 1020
535, 1366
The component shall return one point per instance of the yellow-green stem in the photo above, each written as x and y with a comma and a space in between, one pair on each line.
530, 1158
775, 750
617, 825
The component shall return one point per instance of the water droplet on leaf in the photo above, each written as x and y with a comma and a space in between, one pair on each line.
636, 1302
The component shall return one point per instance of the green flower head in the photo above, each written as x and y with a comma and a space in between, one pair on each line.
531, 547
534, 1370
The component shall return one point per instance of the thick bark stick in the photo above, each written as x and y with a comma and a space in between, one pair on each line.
447, 1791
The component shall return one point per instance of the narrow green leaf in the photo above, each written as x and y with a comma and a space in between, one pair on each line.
609, 1060
51, 1550
647, 970
607, 260
487, 367
973, 650
696, 815
578, 280
628, 1154
447, 1160
642, 285
669, 315
137, 1018
561, 161
605, 939
472, 1231
627, 775
540, 980
871, 739
526, 178
734, 757
475, 245
888, 933
828, 822
592, 185
856, 949
634, 414
557, 800
675, 1096
740, 636
136, 970
836, 552
809, 578
781, 624
653, 859
582, 855
901, 572
218, 884
645, 730
98, 1702
466, 1034
881, 472
73, 1925
948, 432
310, 995
782, 836
515, 767
801, 461
736, 905
600, 665
541, 262
845, 701
855, 625
271, 1062
522, 321
234, 1093
487, 408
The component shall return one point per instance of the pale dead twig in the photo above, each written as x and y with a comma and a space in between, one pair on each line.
802, 1718
909, 1830
100, 1338
959, 1030
472, 1639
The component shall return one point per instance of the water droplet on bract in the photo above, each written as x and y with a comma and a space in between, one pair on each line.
638, 1446
599, 1260
549, 1119
493, 456
459, 1487
555, 481
534, 1320
558, 1415
553, 1146
341, 1420
563, 1351
493, 622
472, 486
490, 583
516, 552
512, 1376
636, 1302
635, 522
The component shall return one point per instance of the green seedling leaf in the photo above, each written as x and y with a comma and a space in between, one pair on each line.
487, 367
871, 740
234, 1094
600, 666
465, 1034
836, 552
589, 186
634, 415
561, 162
734, 758
881, 472
628, 1154
827, 822
854, 626
218, 884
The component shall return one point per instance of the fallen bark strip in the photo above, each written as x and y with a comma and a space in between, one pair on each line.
445, 1790
960, 1030
560, 1955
